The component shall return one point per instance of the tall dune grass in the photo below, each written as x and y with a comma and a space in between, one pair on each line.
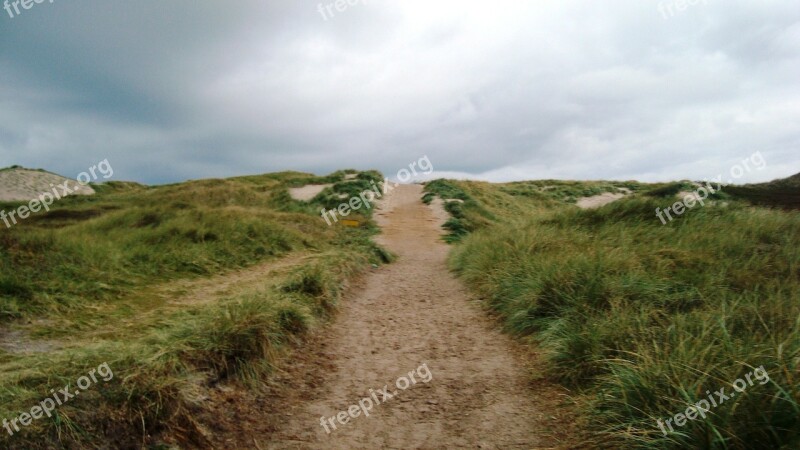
91, 263
641, 319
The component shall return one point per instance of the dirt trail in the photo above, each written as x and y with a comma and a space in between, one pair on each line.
405, 314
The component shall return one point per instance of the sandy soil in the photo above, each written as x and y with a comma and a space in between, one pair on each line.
25, 185
598, 200
19, 341
308, 191
403, 315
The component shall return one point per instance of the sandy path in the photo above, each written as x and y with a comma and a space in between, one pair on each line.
405, 314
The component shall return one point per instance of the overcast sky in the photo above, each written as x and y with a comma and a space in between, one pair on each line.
498, 90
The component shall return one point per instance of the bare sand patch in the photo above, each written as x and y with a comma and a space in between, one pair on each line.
599, 200
23, 185
307, 192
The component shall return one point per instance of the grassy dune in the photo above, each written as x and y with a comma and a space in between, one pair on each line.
88, 277
640, 319
783, 193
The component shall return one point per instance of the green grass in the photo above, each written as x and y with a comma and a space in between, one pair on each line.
783, 193
87, 275
566, 191
669, 190
342, 191
466, 213
639, 319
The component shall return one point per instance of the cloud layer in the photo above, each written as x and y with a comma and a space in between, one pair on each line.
494, 90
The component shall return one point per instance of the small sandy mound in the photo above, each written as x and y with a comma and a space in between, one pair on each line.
308, 191
22, 185
598, 200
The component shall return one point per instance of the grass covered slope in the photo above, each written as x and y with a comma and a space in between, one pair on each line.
783, 193
129, 236
642, 319
97, 278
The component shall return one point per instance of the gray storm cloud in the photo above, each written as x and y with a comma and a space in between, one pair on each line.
491, 90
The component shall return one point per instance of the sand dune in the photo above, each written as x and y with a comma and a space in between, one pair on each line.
18, 184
